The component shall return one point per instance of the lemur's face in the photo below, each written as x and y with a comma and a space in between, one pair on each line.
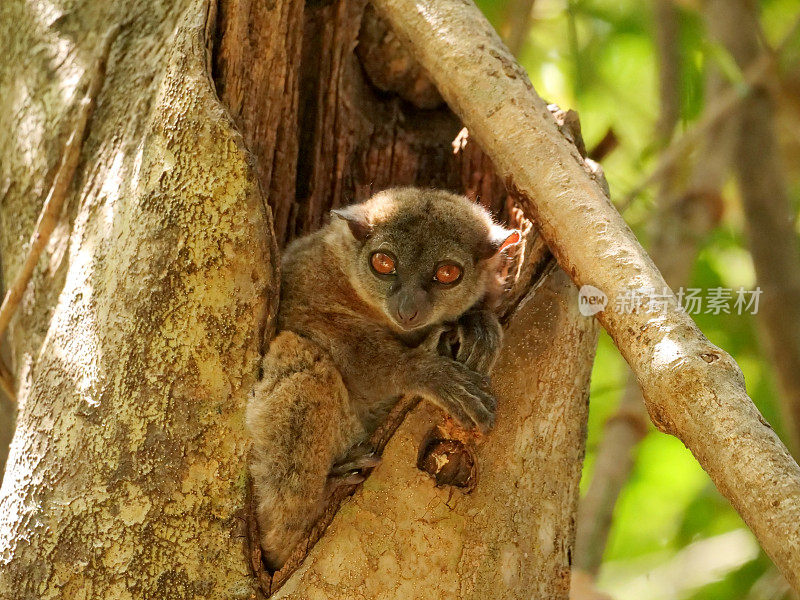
423, 257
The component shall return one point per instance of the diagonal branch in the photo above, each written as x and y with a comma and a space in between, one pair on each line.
51, 209
693, 389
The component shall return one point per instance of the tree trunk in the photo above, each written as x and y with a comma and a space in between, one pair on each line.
140, 334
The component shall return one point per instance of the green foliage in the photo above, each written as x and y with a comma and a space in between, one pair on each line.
599, 57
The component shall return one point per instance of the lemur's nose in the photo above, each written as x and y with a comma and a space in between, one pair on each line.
407, 315
410, 308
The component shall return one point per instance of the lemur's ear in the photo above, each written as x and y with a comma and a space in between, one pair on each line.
357, 219
500, 238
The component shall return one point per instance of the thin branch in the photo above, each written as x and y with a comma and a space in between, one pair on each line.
574, 45
51, 210
7, 382
608, 143
517, 24
693, 389
753, 77
669, 66
770, 217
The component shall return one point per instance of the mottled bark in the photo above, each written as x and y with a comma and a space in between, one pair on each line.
692, 389
141, 331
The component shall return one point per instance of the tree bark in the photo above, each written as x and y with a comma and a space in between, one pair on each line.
141, 333
693, 389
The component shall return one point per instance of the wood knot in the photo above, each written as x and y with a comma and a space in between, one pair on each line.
448, 460
709, 357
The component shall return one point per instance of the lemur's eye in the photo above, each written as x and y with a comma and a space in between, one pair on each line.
382, 263
447, 273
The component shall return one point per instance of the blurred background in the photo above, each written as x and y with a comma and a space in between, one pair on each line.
693, 109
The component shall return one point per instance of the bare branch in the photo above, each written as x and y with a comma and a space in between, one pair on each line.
755, 75
770, 217
613, 465
693, 389
517, 24
669, 72
607, 144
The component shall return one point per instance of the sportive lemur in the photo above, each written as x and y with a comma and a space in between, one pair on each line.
365, 302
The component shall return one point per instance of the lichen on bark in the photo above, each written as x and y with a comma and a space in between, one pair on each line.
126, 474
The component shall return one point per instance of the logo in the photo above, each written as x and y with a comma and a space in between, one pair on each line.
591, 300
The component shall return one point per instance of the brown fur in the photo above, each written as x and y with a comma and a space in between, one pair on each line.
341, 359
